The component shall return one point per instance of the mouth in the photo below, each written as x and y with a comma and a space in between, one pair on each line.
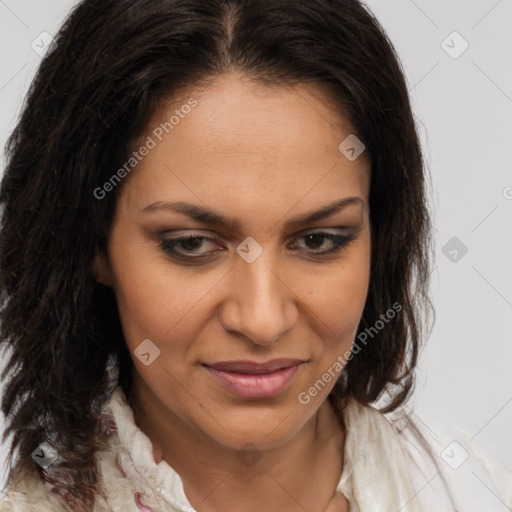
253, 367
247, 379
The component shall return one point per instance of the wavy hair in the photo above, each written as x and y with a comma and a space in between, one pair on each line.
91, 99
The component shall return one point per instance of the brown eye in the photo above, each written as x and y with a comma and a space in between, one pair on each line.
318, 239
192, 249
187, 247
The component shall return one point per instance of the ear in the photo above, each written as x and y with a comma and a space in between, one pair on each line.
101, 269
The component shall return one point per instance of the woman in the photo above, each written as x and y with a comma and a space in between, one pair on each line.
214, 214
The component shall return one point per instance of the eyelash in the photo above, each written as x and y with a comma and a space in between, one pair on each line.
168, 245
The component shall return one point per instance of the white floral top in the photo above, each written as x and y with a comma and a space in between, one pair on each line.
386, 469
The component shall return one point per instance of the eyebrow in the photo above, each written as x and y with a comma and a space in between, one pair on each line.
209, 216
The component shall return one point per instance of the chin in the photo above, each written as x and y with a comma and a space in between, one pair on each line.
263, 433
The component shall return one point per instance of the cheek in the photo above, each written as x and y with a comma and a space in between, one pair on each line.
164, 302
155, 300
339, 296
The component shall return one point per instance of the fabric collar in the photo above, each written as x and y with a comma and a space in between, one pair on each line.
386, 467
363, 461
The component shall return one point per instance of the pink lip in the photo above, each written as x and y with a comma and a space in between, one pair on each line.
253, 367
256, 384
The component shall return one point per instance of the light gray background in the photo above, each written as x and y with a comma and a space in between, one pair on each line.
464, 107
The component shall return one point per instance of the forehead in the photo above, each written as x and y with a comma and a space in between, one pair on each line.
232, 107
264, 141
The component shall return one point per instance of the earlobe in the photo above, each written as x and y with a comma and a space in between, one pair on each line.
101, 269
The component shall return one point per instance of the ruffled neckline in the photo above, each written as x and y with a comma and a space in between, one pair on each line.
360, 421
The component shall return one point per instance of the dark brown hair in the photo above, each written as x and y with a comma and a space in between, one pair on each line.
92, 97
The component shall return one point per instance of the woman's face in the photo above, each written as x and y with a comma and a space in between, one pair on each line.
261, 284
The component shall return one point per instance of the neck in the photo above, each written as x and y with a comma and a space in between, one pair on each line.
300, 474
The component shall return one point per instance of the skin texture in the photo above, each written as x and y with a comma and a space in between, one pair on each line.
260, 155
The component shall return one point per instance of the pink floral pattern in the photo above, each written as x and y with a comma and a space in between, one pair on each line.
140, 506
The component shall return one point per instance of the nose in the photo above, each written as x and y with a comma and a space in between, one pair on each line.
259, 302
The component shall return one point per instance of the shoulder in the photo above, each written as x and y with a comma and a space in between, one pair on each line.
500, 475
443, 461
28, 493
